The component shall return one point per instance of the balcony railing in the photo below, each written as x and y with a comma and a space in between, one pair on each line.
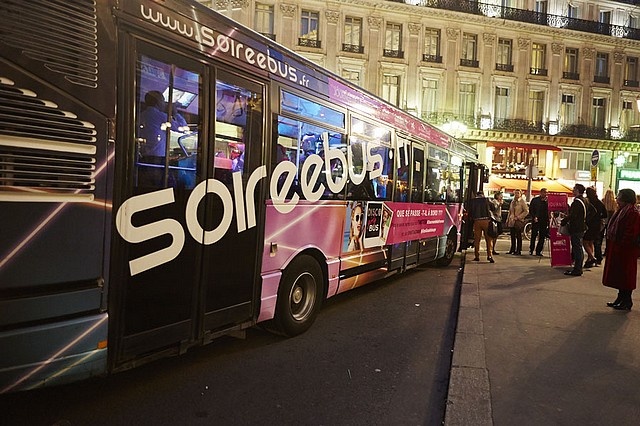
309, 42
432, 58
353, 48
529, 16
631, 134
391, 53
538, 71
571, 75
632, 83
504, 67
469, 63
268, 35
601, 79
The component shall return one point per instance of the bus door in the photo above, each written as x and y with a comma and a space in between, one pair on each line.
401, 194
176, 257
231, 264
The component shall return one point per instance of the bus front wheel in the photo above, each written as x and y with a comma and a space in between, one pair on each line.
299, 296
449, 251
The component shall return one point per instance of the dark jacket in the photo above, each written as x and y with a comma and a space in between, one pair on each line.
479, 208
540, 209
577, 216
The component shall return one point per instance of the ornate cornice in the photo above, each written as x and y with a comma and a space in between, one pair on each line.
618, 57
375, 22
288, 10
588, 52
489, 38
523, 43
332, 16
414, 29
240, 4
453, 34
557, 48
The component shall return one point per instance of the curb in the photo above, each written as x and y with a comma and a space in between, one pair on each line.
469, 393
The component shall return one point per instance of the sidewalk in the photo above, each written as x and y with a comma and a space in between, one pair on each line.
536, 347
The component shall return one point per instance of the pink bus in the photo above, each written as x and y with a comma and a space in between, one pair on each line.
168, 176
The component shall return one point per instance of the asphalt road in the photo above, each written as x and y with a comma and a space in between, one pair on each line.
378, 355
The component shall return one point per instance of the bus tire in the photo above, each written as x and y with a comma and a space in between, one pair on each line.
449, 251
299, 296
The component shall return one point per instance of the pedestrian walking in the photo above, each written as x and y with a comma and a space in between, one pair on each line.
480, 213
539, 210
621, 264
577, 225
596, 218
518, 211
496, 215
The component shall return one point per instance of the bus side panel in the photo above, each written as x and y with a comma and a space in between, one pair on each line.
316, 226
55, 353
54, 203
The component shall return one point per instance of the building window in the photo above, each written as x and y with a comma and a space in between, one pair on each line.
432, 45
501, 109
469, 50
429, 98
598, 112
467, 100
631, 71
602, 68
503, 59
541, 6
352, 35
309, 26
634, 22
536, 108
572, 11
604, 17
571, 64
538, 59
567, 110
393, 40
264, 20
391, 88
351, 75
576, 160
630, 115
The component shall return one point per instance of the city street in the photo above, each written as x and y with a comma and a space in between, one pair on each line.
378, 355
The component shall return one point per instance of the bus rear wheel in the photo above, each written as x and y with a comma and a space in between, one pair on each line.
449, 251
299, 296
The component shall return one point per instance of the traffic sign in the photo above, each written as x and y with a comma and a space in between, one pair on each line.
595, 157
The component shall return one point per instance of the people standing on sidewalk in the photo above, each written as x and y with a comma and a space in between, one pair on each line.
577, 225
539, 209
609, 201
621, 264
496, 214
480, 213
592, 240
518, 211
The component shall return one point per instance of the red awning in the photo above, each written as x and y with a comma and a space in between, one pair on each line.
509, 185
525, 145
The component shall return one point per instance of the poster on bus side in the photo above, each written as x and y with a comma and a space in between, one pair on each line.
560, 244
376, 223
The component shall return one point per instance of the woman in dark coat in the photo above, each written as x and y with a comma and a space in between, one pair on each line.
621, 262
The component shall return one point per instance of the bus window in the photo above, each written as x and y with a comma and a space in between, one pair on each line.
293, 104
418, 174
167, 111
369, 153
455, 184
297, 141
437, 181
402, 163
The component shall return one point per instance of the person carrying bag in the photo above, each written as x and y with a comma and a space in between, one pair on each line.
518, 211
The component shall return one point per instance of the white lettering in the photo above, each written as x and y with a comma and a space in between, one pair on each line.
211, 186
137, 234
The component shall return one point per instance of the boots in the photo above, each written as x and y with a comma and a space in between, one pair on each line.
624, 301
